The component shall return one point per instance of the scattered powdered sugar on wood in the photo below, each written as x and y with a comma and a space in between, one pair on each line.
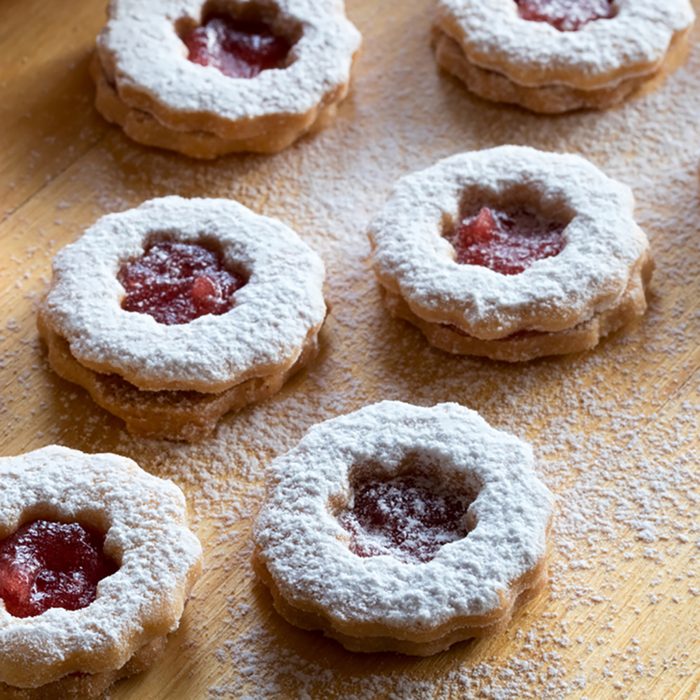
613, 430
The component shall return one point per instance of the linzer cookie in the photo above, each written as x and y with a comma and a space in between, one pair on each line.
403, 528
560, 55
96, 564
181, 310
207, 79
512, 254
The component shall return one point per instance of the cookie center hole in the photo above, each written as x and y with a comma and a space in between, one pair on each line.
176, 283
47, 564
409, 516
507, 240
240, 40
566, 15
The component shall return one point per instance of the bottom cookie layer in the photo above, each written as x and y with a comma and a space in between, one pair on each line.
411, 642
530, 345
144, 128
546, 99
87, 686
174, 415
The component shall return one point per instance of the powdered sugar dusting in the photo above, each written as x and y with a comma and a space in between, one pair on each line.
410, 516
614, 429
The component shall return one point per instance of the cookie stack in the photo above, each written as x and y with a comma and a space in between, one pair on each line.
171, 331
206, 84
560, 58
512, 253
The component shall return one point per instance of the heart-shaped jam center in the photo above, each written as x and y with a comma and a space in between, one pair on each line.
409, 517
178, 282
566, 15
47, 564
238, 48
505, 241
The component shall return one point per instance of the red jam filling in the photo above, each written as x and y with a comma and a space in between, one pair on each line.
566, 15
506, 242
406, 517
178, 282
518, 335
47, 564
238, 48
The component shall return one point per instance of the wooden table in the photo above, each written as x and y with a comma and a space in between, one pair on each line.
615, 429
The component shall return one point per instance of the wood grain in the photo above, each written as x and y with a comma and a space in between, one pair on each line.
615, 428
